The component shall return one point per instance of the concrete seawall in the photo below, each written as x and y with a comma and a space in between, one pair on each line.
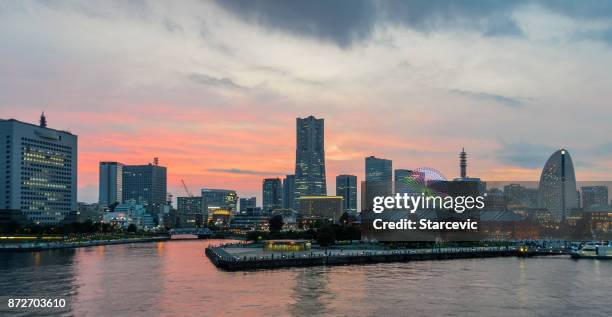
40, 246
224, 260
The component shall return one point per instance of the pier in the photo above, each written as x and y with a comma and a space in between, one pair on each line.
240, 257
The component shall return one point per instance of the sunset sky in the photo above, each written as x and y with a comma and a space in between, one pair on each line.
213, 88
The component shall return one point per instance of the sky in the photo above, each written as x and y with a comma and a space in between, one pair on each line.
213, 88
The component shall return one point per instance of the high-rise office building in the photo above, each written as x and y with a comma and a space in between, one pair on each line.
272, 194
191, 205
557, 188
38, 171
378, 180
310, 157
378, 170
145, 184
220, 199
110, 183
247, 204
289, 193
594, 196
346, 187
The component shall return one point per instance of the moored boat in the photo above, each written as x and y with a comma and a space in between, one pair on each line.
593, 251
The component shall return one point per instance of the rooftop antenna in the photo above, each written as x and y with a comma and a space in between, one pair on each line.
43, 120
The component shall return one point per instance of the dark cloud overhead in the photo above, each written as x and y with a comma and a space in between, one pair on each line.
482, 96
242, 171
585, 9
483, 16
208, 80
344, 22
339, 21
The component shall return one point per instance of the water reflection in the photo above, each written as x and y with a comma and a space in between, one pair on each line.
44, 274
176, 279
310, 287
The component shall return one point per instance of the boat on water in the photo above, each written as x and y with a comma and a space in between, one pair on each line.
593, 250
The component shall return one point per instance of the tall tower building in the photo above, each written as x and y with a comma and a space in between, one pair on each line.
110, 183
38, 170
146, 184
346, 187
557, 188
272, 194
463, 163
289, 193
310, 157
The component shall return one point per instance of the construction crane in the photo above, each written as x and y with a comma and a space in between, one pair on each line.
186, 189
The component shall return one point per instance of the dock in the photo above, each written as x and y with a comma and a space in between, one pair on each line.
241, 257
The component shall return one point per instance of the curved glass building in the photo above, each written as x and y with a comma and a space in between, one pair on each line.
557, 188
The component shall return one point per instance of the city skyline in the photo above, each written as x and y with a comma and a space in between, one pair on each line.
191, 85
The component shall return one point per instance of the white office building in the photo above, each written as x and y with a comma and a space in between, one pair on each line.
38, 170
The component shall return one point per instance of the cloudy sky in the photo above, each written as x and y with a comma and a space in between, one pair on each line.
213, 88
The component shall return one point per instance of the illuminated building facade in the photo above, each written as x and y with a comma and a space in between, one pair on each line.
272, 194
557, 188
310, 157
220, 199
38, 171
329, 208
287, 245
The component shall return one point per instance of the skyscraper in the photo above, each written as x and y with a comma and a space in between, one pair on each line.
38, 170
594, 196
146, 184
110, 183
310, 157
378, 170
272, 194
378, 180
557, 188
346, 187
289, 193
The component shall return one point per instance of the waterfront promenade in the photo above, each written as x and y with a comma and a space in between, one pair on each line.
236, 257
